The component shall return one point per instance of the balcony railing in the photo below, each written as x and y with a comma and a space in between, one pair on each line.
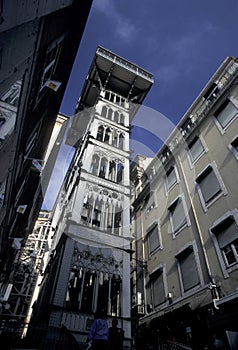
129, 66
195, 115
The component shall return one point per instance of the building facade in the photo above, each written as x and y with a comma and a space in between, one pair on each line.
185, 223
39, 42
31, 257
90, 268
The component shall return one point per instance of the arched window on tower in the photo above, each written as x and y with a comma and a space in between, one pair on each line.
115, 138
121, 119
112, 170
115, 296
104, 112
118, 221
107, 135
88, 291
110, 114
103, 291
121, 141
97, 213
120, 173
74, 289
109, 219
103, 167
95, 164
86, 210
100, 133
116, 117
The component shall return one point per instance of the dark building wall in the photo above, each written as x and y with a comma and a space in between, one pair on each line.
28, 33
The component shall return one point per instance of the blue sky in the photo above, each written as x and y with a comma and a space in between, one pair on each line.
181, 43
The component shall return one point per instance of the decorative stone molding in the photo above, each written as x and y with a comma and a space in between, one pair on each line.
87, 259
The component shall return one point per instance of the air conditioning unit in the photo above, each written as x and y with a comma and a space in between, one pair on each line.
141, 309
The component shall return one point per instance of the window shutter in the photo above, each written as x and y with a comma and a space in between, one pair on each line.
178, 215
225, 115
196, 149
209, 185
226, 233
189, 271
153, 237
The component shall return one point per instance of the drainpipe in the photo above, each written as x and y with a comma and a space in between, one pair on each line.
143, 257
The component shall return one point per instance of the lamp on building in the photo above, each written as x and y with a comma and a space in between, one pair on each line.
214, 293
170, 298
126, 250
142, 263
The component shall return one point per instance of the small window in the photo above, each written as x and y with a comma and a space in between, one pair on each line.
196, 149
227, 237
51, 60
234, 143
8, 109
226, 114
188, 270
211, 92
11, 97
209, 185
153, 239
234, 147
177, 215
171, 177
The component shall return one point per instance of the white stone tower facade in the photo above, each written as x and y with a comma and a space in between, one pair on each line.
91, 264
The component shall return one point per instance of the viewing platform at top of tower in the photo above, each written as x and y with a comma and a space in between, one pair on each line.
111, 72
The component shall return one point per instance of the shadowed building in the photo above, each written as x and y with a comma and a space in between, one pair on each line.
39, 41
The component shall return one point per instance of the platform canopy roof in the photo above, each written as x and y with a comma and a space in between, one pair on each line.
111, 72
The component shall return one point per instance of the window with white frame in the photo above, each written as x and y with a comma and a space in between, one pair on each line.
212, 92
171, 178
226, 113
188, 270
8, 109
196, 149
11, 97
233, 146
91, 291
51, 60
177, 215
210, 185
153, 239
157, 287
226, 234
